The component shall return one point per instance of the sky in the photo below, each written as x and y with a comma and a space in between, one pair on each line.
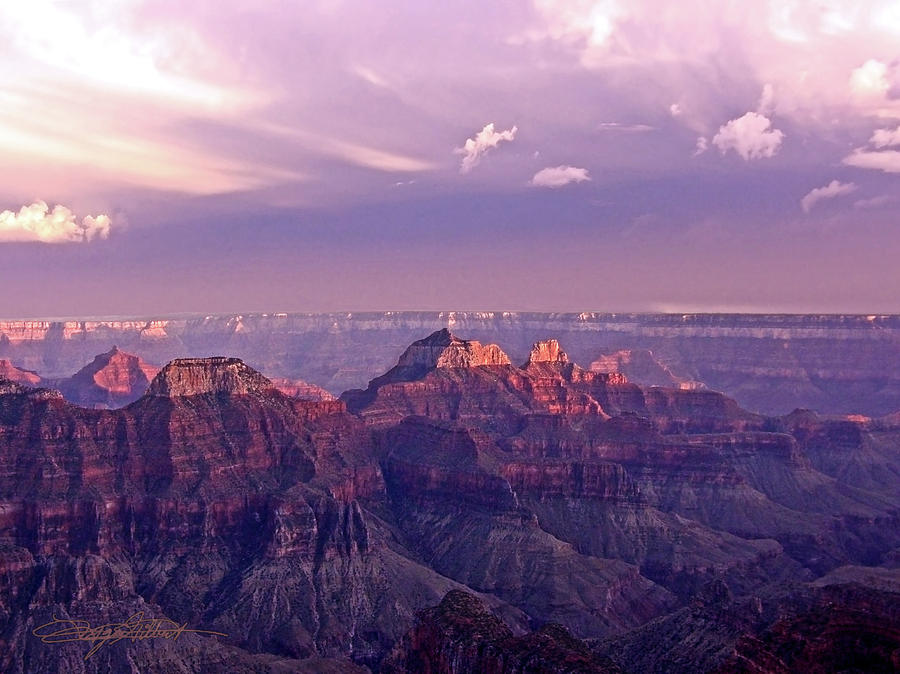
229, 156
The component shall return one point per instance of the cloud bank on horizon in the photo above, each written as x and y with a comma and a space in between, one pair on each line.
698, 119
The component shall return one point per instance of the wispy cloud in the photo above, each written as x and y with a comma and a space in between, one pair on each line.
346, 150
482, 143
625, 128
874, 202
766, 105
833, 189
100, 94
37, 222
559, 176
701, 146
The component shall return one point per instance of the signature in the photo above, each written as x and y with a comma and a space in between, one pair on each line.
136, 628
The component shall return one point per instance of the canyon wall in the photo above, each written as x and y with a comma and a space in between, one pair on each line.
771, 364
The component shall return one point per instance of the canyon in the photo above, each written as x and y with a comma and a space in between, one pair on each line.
771, 364
465, 509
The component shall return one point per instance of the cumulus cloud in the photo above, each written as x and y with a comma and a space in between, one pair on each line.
833, 189
558, 176
37, 222
751, 136
870, 79
885, 138
483, 142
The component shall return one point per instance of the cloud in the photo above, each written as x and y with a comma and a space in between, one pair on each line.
38, 223
558, 176
701, 146
675, 110
833, 189
750, 136
806, 49
483, 142
874, 202
887, 160
766, 105
625, 128
870, 79
885, 138
878, 159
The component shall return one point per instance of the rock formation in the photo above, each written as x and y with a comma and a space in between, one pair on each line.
641, 367
833, 625
297, 388
11, 373
199, 376
460, 636
112, 379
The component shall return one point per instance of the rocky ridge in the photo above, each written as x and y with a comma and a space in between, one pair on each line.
11, 373
200, 376
112, 379
769, 363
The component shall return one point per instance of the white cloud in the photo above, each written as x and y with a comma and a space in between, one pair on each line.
675, 110
38, 223
887, 160
484, 141
558, 176
878, 159
750, 136
874, 202
701, 146
885, 138
833, 189
870, 79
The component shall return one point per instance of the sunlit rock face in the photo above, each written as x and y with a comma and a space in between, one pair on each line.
547, 351
10, 372
444, 350
198, 376
112, 379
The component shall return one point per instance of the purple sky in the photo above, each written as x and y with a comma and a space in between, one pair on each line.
234, 155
